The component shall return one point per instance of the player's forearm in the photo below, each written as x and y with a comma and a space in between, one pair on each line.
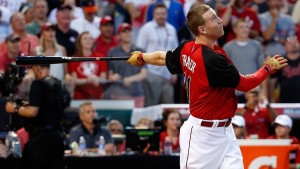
248, 82
156, 58
28, 111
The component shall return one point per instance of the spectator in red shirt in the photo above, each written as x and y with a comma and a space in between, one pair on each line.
172, 121
258, 118
17, 22
106, 40
9, 55
283, 125
237, 10
87, 75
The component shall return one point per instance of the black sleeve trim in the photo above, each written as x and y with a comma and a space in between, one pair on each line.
220, 73
173, 60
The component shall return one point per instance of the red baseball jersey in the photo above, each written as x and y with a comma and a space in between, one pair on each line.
210, 79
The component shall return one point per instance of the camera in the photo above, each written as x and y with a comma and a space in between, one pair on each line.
10, 80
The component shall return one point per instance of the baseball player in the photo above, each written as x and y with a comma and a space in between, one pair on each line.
207, 138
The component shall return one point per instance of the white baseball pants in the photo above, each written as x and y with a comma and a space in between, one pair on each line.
208, 147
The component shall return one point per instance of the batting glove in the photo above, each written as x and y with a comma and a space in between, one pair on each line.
275, 63
136, 58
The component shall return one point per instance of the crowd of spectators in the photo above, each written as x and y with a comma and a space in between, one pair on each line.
254, 30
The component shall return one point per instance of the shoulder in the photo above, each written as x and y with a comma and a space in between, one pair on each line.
295, 140
76, 129
229, 44
171, 27
254, 42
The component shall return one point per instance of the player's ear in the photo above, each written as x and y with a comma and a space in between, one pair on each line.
202, 30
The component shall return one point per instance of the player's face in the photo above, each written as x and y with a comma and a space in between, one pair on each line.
213, 27
87, 41
173, 121
281, 131
88, 114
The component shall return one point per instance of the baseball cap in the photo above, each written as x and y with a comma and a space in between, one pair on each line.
63, 7
238, 120
89, 6
123, 27
47, 26
284, 120
106, 19
12, 38
25, 6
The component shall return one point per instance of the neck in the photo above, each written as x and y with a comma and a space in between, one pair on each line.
12, 55
63, 27
293, 55
241, 39
205, 41
40, 21
89, 126
49, 44
126, 46
21, 33
172, 133
86, 52
283, 137
106, 39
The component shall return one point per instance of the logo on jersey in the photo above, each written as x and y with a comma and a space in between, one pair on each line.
189, 63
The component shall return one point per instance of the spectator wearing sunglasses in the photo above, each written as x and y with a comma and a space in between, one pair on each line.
8, 56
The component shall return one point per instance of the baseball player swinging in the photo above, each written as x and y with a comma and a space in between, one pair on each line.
207, 138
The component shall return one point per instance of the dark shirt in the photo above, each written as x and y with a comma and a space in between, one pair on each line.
289, 80
67, 40
92, 140
44, 94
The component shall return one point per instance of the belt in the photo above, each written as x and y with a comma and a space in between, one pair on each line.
220, 124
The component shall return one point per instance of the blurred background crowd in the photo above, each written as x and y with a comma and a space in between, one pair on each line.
254, 30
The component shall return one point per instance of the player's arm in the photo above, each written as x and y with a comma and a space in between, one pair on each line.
220, 73
171, 59
271, 65
24, 111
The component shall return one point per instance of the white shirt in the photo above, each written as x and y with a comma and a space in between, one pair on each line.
80, 25
77, 13
6, 14
154, 38
12, 5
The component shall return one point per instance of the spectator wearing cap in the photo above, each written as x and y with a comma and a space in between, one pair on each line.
27, 10
28, 41
4, 23
76, 11
283, 125
50, 47
128, 79
40, 9
238, 123
90, 22
65, 36
106, 40
12, 42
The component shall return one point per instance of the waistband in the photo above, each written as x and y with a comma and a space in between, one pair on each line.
209, 123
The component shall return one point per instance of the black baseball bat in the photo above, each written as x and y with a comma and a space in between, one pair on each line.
40, 60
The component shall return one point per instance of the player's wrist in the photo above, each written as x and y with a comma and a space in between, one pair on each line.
140, 57
16, 109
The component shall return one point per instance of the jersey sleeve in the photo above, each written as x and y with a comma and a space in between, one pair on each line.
173, 60
220, 73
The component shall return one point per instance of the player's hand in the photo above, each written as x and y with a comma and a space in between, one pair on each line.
136, 58
275, 63
10, 107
